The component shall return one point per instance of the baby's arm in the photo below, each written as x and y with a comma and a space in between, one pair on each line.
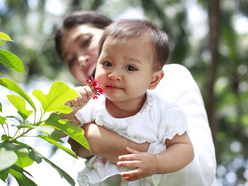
178, 154
84, 95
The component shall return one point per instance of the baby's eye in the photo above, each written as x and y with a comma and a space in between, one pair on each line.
107, 64
130, 68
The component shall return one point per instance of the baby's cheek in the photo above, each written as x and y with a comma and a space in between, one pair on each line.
99, 76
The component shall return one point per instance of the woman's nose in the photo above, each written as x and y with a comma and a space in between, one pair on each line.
114, 75
83, 60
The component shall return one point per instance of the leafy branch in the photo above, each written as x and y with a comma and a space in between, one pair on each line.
15, 155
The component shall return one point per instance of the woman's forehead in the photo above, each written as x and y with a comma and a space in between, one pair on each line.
71, 35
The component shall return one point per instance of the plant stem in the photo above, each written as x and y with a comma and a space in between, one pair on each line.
42, 114
4, 130
22, 134
8, 130
34, 117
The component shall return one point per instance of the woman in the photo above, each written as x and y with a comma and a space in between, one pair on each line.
77, 45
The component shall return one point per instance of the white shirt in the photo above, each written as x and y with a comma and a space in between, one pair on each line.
154, 123
179, 86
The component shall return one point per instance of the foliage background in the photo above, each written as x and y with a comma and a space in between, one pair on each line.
209, 37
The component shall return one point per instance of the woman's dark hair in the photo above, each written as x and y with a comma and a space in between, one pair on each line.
131, 28
79, 18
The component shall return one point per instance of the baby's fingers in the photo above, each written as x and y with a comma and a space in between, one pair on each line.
85, 93
131, 175
129, 164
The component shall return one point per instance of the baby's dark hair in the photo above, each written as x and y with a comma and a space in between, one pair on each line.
91, 18
130, 28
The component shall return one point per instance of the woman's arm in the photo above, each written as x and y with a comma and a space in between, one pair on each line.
105, 143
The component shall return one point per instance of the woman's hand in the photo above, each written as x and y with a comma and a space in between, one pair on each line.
142, 164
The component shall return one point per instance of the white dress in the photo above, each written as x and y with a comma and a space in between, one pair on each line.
154, 123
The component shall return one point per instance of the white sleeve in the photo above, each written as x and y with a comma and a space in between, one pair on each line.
87, 113
174, 122
179, 86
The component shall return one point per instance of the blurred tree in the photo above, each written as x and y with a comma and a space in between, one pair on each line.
214, 30
225, 90
218, 59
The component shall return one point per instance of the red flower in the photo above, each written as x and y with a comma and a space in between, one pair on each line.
93, 84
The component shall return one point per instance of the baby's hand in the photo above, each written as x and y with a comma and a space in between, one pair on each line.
142, 163
84, 95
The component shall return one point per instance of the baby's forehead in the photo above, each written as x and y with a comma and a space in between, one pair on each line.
133, 43
127, 39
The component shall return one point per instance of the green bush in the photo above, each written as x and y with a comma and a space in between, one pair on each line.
15, 155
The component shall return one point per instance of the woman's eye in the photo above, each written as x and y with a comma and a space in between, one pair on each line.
85, 43
130, 68
107, 64
70, 62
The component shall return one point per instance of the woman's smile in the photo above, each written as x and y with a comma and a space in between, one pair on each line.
91, 69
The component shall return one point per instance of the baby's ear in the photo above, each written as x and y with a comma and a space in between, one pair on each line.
157, 76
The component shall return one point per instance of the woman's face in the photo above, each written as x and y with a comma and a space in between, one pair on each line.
79, 48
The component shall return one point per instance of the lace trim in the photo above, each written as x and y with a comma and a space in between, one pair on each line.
123, 124
180, 132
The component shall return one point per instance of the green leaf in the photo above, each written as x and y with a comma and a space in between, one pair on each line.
20, 177
11, 85
48, 130
20, 105
28, 126
50, 138
5, 137
11, 61
39, 156
22, 153
73, 131
7, 157
34, 155
2, 120
54, 101
60, 171
1, 107
5, 37
54, 140
4, 174
23, 158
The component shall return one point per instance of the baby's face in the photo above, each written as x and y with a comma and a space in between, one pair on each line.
125, 69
